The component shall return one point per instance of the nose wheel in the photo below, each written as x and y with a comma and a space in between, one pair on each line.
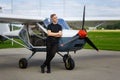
69, 62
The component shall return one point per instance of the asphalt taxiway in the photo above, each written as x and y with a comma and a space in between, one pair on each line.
89, 65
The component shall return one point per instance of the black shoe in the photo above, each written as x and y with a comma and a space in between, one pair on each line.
48, 68
42, 69
48, 71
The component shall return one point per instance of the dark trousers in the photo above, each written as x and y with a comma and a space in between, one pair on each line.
52, 48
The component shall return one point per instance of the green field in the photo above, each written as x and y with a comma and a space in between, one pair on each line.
104, 40
8, 44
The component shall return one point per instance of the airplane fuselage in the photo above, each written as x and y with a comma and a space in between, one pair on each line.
73, 45
36, 41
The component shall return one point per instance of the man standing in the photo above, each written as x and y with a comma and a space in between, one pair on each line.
54, 31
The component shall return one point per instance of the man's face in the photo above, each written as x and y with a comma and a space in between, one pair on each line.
54, 19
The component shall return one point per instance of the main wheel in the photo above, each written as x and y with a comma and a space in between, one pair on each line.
65, 57
69, 63
23, 63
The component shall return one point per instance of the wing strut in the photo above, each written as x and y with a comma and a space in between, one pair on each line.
15, 41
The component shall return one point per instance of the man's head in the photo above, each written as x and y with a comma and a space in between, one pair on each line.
54, 18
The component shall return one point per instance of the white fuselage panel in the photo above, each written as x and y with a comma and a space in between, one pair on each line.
69, 33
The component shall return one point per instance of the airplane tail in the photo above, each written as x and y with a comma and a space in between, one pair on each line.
4, 28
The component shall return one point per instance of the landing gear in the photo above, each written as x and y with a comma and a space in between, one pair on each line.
68, 61
23, 62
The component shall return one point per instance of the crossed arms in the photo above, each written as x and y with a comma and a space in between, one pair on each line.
58, 34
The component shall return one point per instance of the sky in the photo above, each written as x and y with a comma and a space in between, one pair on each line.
63, 8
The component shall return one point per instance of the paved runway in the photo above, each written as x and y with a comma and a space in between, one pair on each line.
90, 65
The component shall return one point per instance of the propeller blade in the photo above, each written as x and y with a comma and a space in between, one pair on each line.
74, 38
91, 43
83, 23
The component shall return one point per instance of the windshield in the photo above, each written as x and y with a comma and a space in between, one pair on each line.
60, 21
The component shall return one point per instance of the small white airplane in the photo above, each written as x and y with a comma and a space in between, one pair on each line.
34, 32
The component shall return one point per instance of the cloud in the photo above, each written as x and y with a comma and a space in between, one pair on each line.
115, 0
63, 8
102, 11
5, 6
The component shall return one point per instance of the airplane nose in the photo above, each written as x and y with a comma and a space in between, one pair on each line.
82, 33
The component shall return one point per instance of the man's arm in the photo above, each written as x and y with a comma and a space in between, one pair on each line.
58, 34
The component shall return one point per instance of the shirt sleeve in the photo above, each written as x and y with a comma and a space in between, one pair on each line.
60, 28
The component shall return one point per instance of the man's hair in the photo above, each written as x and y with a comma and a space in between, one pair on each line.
52, 15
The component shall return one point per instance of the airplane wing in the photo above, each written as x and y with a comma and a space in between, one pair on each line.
15, 19
6, 19
90, 21
19, 19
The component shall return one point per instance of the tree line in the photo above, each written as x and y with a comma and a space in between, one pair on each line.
113, 26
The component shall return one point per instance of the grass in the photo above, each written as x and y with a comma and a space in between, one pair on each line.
8, 44
105, 40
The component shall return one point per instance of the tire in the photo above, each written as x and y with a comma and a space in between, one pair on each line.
69, 64
65, 57
23, 63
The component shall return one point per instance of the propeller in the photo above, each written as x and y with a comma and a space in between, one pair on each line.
82, 34
83, 23
91, 43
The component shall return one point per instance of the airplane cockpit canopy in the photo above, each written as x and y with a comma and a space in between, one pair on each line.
64, 25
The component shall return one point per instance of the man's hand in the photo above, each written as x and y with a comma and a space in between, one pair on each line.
59, 34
